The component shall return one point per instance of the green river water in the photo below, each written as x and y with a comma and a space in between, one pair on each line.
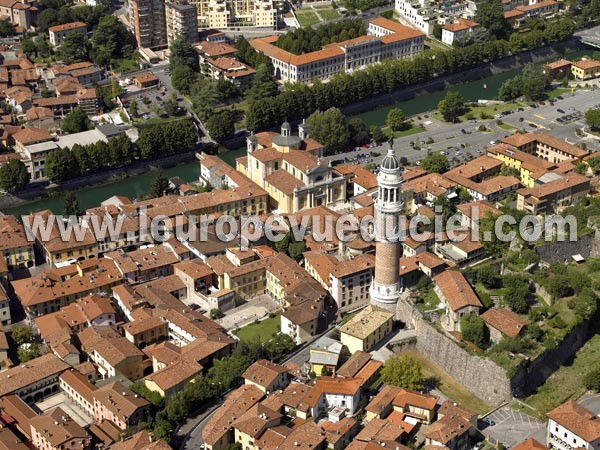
138, 185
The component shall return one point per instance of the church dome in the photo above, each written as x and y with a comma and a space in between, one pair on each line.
390, 162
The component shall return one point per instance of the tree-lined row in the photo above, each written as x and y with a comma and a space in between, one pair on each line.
300, 100
307, 39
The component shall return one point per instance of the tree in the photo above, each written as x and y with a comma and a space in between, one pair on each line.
330, 128
61, 165
358, 131
27, 352
71, 207
216, 313
517, 290
14, 175
472, 328
435, 163
159, 186
592, 118
6, 28
110, 40
46, 19
376, 134
133, 108
488, 276
452, 106
263, 85
73, 48
221, 125
183, 77
591, 380
403, 371
153, 397
279, 345
183, 54
28, 46
558, 286
76, 121
395, 119
490, 14
22, 334
296, 249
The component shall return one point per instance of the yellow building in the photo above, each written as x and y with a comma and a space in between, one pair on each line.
240, 271
586, 69
366, 329
173, 378
289, 168
16, 249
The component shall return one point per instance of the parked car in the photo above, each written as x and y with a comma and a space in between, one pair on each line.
562, 111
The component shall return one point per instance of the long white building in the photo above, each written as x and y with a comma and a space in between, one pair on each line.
385, 39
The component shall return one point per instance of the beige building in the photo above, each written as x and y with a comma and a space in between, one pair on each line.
148, 19
266, 376
16, 249
19, 13
554, 196
59, 32
120, 405
220, 14
289, 168
366, 329
457, 296
174, 377
503, 322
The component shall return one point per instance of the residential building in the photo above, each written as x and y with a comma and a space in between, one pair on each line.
585, 69
530, 444
417, 13
78, 389
144, 264
16, 249
57, 33
559, 69
545, 146
19, 13
458, 31
416, 405
554, 196
143, 440
457, 296
334, 392
366, 329
18, 414
34, 380
266, 376
324, 355
56, 430
181, 20
174, 377
570, 426
59, 287
385, 39
87, 99
503, 323
120, 405
454, 428
219, 14
149, 23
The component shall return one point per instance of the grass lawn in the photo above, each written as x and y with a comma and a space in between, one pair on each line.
329, 14
476, 110
412, 130
262, 330
449, 386
558, 91
307, 18
430, 301
566, 383
124, 65
506, 127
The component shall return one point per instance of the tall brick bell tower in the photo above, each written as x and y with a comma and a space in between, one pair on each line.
388, 208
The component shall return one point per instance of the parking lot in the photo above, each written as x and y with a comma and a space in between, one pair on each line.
511, 427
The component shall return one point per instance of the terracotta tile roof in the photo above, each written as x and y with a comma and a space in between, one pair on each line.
449, 408
530, 444
569, 181
146, 77
266, 154
433, 183
254, 421
447, 429
39, 113
577, 419
238, 402
263, 372
354, 364
560, 144
457, 290
337, 431
378, 430
474, 167
14, 407
18, 377
430, 260
407, 397
586, 64
306, 436
505, 321
30, 135
116, 351
119, 400
538, 5
141, 441
12, 233
561, 63
79, 383
459, 25
143, 259
57, 428
352, 266
214, 49
383, 399
67, 26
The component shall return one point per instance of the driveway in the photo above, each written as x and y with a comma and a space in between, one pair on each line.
512, 427
591, 402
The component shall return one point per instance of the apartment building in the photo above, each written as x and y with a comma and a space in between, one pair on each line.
553, 196
219, 14
266, 376
149, 23
57, 33
78, 389
120, 405
407, 403
385, 39
585, 69
366, 329
19, 13
181, 20
417, 13
545, 147
87, 99
570, 426
16, 249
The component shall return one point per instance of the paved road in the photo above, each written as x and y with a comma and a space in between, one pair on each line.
451, 135
591, 402
512, 427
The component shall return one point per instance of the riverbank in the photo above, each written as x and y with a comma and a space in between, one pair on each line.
484, 84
